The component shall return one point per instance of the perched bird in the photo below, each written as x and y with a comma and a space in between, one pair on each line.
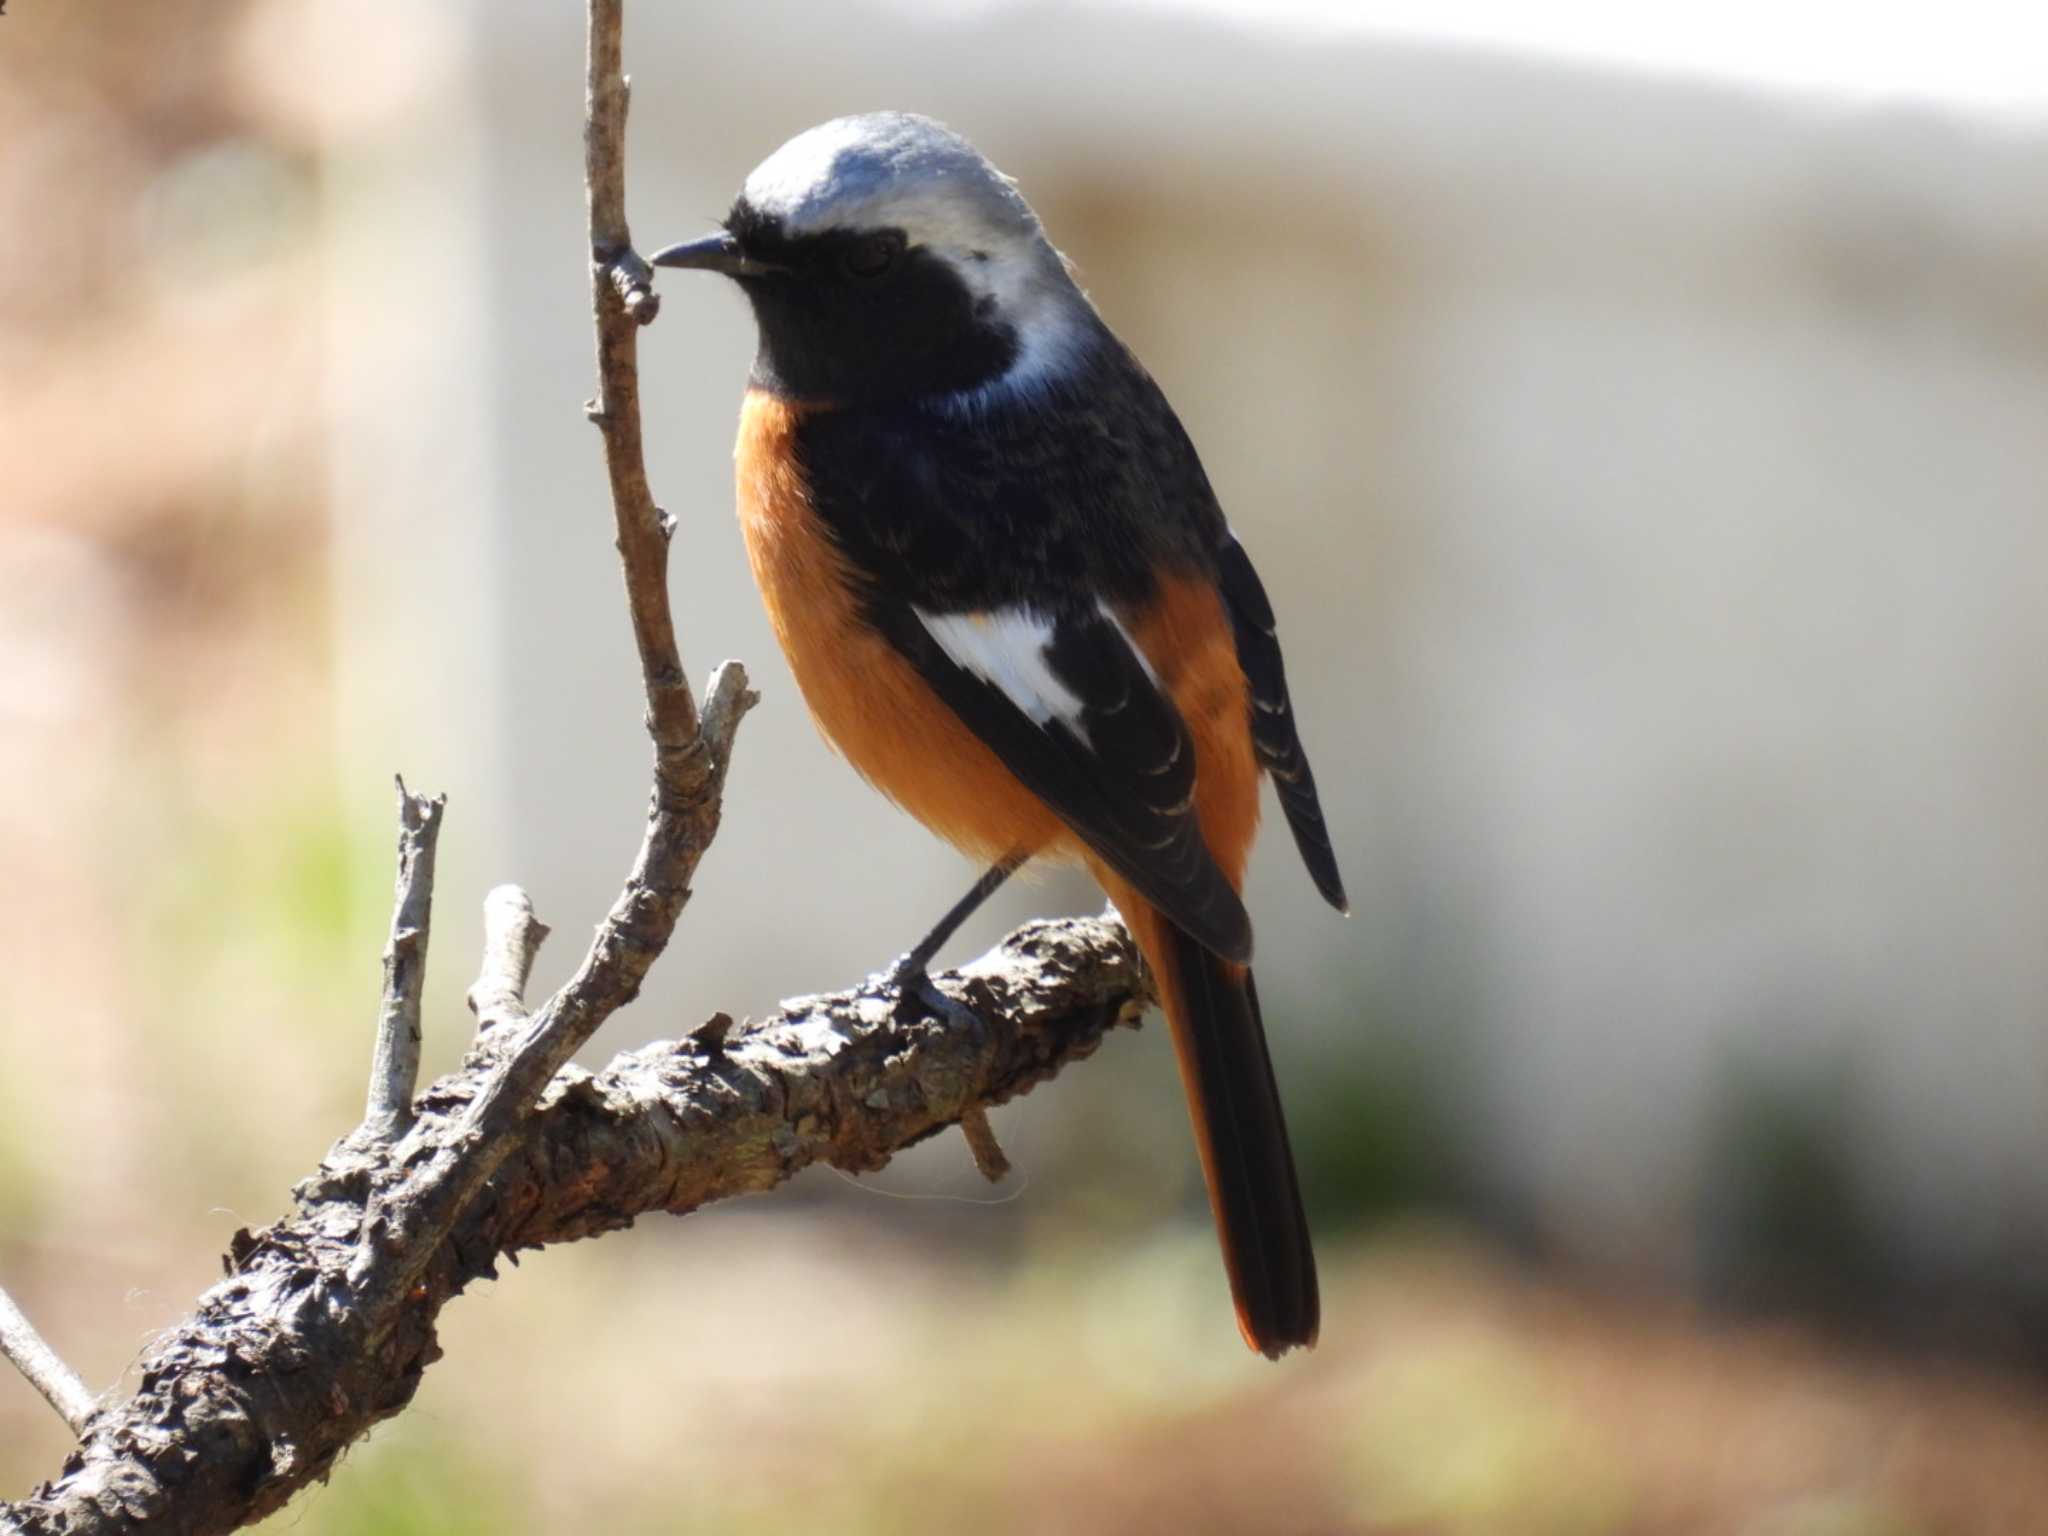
1011, 600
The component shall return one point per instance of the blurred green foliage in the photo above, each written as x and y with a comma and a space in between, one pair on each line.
1371, 1133
274, 881
1787, 1222
410, 1485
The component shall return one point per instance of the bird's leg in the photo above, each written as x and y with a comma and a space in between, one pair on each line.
911, 976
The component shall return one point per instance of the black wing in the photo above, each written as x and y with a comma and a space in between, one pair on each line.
1117, 765
986, 558
1274, 734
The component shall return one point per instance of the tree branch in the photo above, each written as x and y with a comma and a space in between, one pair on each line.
281, 1366
395, 1064
60, 1385
690, 756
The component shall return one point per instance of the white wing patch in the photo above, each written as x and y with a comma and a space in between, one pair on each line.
1007, 648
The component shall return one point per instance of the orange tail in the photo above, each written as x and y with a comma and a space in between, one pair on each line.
1240, 1132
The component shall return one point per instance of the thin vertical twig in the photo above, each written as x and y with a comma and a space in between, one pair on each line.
395, 1062
624, 300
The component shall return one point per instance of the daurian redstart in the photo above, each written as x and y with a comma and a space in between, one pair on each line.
1011, 600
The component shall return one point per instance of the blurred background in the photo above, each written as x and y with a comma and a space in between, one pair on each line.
1639, 424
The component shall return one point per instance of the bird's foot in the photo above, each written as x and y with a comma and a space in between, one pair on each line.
916, 991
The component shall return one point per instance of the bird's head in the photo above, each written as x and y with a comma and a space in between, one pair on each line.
887, 260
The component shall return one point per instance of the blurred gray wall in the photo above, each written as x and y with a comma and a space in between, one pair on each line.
1649, 477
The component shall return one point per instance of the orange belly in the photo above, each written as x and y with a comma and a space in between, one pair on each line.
867, 700
874, 708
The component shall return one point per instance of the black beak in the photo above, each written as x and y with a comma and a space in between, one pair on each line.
715, 252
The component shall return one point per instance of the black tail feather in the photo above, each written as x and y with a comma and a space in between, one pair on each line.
1218, 1032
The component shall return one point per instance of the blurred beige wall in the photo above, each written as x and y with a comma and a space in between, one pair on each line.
1648, 474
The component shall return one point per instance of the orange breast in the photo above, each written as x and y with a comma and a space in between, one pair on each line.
874, 708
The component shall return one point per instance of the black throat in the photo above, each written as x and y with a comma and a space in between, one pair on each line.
834, 329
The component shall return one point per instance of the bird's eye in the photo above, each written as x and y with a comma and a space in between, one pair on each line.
872, 255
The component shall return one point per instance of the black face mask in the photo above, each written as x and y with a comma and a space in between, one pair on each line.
864, 317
